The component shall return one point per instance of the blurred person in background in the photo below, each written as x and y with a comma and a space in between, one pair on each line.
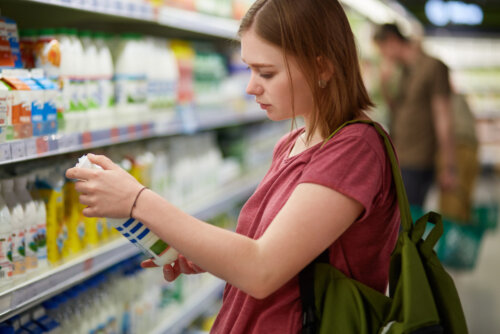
421, 115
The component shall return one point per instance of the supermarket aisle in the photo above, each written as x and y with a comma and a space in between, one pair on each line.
479, 289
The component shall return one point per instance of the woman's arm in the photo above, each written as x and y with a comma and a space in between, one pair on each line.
311, 220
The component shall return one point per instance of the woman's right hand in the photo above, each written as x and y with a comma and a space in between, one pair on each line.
171, 271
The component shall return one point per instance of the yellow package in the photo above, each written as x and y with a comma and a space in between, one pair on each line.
72, 218
53, 199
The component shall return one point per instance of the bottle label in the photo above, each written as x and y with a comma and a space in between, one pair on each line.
5, 262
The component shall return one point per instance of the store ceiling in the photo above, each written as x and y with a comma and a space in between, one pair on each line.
490, 20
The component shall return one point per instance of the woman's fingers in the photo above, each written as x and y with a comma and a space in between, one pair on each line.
76, 173
148, 264
102, 161
171, 272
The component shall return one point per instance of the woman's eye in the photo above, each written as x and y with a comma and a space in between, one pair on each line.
266, 75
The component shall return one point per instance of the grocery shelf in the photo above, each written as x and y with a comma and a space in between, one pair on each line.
142, 11
188, 311
144, 17
198, 22
45, 146
37, 289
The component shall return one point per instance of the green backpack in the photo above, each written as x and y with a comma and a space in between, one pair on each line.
422, 296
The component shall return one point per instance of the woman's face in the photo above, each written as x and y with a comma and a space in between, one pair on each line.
269, 81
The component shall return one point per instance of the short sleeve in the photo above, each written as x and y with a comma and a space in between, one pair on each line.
351, 165
440, 81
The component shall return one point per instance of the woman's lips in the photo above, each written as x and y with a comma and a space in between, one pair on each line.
264, 106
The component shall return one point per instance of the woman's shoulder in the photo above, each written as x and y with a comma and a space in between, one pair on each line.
359, 133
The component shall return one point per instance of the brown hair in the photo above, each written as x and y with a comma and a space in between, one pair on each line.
311, 30
387, 30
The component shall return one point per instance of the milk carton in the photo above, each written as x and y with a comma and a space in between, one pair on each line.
51, 95
13, 37
19, 112
36, 96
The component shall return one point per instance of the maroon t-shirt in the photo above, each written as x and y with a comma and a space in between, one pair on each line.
354, 163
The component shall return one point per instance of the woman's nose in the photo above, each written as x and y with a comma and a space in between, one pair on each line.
253, 87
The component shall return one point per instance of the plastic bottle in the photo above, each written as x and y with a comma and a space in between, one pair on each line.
49, 185
105, 71
137, 233
27, 42
31, 228
90, 75
5, 243
130, 80
48, 53
18, 228
41, 223
66, 105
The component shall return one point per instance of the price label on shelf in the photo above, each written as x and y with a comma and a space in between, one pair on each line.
115, 134
5, 154
42, 146
131, 132
86, 139
31, 148
18, 149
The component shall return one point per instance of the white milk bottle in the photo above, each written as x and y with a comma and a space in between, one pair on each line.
137, 233
18, 228
77, 81
90, 76
66, 122
105, 70
130, 79
31, 228
5, 243
41, 224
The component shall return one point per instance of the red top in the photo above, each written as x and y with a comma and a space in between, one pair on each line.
353, 163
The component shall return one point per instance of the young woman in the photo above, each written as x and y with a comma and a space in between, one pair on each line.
339, 196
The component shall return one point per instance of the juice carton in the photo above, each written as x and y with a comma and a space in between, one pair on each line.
6, 58
13, 37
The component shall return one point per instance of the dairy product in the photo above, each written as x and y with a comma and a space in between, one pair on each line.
49, 184
105, 97
5, 103
41, 223
48, 53
51, 97
20, 99
30, 218
90, 75
6, 57
5, 242
130, 80
13, 36
79, 101
137, 233
27, 43
18, 228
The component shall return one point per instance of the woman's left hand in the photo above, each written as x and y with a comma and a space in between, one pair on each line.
109, 192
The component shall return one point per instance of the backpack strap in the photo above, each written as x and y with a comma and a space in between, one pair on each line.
306, 285
310, 323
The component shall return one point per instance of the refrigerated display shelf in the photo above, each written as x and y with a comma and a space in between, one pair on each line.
198, 22
37, 289
141, 11
45, 146
144, 13
196, 304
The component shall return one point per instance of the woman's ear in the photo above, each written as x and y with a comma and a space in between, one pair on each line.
325, 68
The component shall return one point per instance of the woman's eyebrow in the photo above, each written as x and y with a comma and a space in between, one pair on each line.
257, 65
